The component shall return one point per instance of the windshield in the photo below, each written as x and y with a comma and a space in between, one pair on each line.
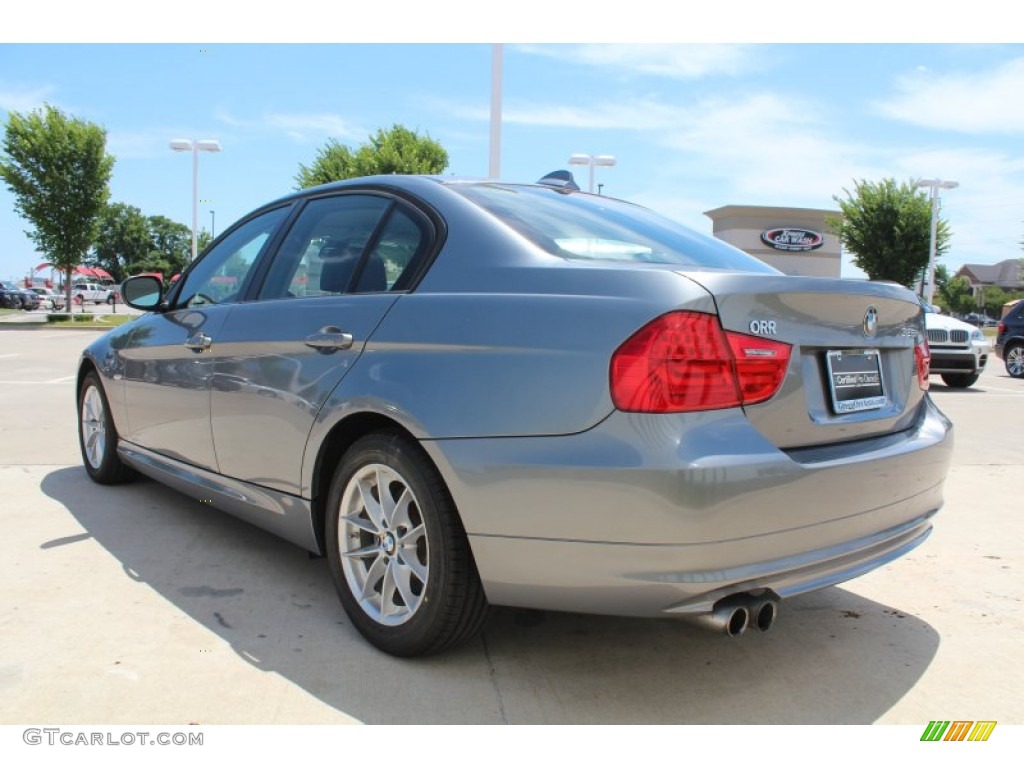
580, 226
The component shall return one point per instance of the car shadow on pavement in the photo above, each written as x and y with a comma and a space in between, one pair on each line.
833, 656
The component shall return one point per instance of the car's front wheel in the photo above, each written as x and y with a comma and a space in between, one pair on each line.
398, 552
97, 437
1014, 359
960, 380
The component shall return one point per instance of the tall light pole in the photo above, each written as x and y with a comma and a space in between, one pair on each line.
591, 160
195, 147
213, 225
934, 185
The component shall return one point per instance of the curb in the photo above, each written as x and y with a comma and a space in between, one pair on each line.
20, 326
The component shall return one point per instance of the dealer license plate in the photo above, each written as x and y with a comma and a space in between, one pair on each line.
855, 378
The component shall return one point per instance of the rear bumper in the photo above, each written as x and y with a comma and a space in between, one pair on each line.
661, 515
630, 580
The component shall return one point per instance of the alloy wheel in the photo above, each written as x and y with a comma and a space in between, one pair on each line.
94, 430
383, 544
1015, 361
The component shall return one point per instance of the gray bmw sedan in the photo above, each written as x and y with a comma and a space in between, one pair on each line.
472, 393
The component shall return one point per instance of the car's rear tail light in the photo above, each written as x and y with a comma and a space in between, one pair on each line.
684, 361
1000, 329
923, 358
760, 365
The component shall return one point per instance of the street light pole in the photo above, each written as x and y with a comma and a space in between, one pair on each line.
934, 185
195, 147
591, 160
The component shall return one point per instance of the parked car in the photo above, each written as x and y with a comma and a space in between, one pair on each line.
473, 393
50, 299
19, 298
10, 295
97, 293
959, 350
1010, 340
980, 321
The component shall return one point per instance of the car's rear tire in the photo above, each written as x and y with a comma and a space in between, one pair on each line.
399, 555
960, 380
1013, 358
97, 437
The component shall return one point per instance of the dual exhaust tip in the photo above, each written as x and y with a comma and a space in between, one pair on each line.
735, 614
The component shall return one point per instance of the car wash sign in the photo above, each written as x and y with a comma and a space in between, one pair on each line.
792, 239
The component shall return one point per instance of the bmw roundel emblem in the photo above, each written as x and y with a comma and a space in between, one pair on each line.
870, 321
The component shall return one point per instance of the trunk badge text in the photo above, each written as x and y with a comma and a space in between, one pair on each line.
763, 327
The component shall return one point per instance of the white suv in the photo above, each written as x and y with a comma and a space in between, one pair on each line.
959, 350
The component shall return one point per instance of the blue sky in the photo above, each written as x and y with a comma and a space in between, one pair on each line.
693, 126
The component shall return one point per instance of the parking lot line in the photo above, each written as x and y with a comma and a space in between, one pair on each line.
1001, 389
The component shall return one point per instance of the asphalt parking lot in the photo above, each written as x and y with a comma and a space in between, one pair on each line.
138, 605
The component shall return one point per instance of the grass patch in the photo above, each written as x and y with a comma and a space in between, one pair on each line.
9, 311
88, 321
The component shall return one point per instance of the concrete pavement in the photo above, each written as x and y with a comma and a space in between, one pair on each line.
137, 605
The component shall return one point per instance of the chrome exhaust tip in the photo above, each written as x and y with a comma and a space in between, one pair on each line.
728, 617
764, 613
738, 621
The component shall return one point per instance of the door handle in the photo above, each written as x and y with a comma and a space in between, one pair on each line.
200, 342
329, 339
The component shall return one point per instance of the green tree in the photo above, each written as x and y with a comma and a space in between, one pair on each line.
941, 278
396, 150
58, 169
123, 239
956, 296
993, 298
171, 248
887, 228
203, 238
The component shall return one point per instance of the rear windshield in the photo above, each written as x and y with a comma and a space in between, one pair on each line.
580, 226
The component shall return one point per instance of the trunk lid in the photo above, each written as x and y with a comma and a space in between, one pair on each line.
831, 392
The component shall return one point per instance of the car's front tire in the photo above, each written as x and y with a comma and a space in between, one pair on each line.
399, 555
960, 380
1014, 360
97, 437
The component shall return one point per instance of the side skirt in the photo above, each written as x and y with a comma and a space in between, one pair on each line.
289, 517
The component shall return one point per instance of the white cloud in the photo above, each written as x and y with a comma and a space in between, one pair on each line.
765, 149
680, 62
618, 114
970, 102
15, 99
311, 126
299, 126
985, 212
758, 145
138, 145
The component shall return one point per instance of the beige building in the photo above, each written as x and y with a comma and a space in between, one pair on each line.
796, 241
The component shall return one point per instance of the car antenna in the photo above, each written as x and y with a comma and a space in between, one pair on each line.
560, 180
